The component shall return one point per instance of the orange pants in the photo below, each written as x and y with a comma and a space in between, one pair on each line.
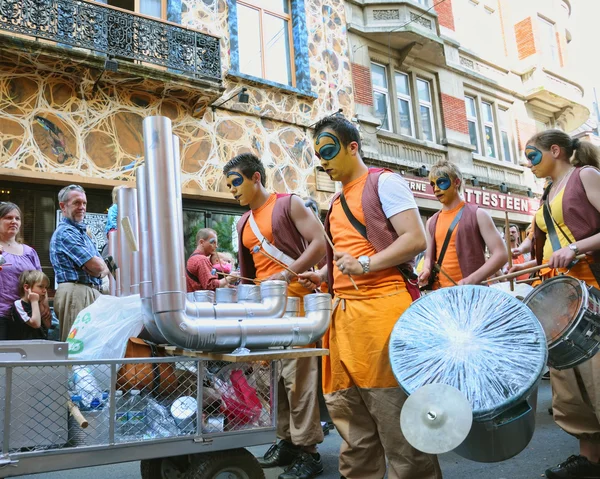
362, 395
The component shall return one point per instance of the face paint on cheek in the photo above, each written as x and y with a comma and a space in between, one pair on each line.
236, 178
443, 183
533, 155
330, 150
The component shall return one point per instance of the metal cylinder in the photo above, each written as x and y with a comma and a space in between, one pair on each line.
226, 295
112, 251
128, 259
292, 307
204, 296
248, 293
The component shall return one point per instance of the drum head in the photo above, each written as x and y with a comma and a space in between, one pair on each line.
556, 303
480, 340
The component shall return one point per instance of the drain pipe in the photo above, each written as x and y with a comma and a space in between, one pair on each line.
193, 325
127, 259
112, 251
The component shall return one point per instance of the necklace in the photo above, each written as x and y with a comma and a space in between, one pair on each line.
556, 186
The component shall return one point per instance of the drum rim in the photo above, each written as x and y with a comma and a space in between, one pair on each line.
487, 414
574, 322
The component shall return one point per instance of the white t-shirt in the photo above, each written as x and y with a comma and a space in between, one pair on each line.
395, 194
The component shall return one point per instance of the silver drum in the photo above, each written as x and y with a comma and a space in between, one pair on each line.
569, 311
487, 344
248, 293
226, 295
201, 296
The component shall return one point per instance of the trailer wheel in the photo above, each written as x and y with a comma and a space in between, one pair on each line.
164, 468
231, 464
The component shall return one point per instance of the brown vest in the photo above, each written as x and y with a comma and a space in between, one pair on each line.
470, 245
286, 236
380, 232
580, 216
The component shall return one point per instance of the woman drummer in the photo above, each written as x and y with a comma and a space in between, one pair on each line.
573, 199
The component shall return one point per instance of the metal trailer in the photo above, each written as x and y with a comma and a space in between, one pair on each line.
237, 399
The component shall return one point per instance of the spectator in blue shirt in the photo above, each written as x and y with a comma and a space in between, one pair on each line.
77, 264
111, 217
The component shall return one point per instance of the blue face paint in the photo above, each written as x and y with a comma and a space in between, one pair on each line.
330, 150
533, 155
237, 178
443, 183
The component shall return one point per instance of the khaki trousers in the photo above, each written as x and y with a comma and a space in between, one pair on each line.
298, 417
369, 422
576, 399
69, 300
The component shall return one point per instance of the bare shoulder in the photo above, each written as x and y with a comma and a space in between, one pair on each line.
590, 176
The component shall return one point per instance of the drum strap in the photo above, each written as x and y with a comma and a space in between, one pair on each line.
554, 240
191, 275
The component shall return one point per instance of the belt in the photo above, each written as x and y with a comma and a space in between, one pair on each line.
91, 285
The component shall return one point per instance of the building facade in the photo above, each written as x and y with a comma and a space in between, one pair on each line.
77, 78
465, 80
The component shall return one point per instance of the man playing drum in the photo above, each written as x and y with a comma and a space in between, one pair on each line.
457, 235
377, 231
281, 226
573, 212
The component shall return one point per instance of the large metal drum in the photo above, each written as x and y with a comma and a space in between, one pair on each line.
569, 311
201, 296
226, 295
485, 343
292, 307
248, 293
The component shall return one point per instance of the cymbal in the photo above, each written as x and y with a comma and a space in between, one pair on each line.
436, 418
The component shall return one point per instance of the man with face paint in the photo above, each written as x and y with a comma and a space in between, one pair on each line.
382, 238
464, 258
199, 273
289, 231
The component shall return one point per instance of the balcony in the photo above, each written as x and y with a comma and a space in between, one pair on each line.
408, 154
556, 94
403, 25
104, 31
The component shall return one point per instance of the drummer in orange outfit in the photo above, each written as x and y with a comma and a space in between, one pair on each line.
464, 260
573, 198
362, 395
288, 226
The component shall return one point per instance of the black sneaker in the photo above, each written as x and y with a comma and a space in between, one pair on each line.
306, 466
281, 454
576, 467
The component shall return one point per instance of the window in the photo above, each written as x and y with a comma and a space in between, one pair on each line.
472, 121
425, 3
505, 135
425, 109
264, 40
405, 124
488, 128
380, 94
151, 8
548, 41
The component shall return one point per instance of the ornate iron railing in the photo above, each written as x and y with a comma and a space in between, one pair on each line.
116, 33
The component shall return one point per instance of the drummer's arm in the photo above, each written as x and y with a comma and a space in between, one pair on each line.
493, 240
426, 271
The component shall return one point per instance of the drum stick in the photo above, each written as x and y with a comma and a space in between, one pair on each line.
258, 249
508, 248
76, 413
129, 236
330, 242
533, 269
238, 277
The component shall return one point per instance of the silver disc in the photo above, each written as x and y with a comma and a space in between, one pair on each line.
436, 418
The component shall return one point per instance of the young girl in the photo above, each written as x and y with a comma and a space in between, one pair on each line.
29, 318
222, 262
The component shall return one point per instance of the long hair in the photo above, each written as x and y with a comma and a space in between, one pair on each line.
5, 208
579, 153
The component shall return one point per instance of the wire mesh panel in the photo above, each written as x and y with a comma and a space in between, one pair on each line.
130, 401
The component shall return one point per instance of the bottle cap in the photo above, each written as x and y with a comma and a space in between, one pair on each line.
75, 398
118, 393
134, 392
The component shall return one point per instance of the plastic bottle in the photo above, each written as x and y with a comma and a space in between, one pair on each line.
86, 386
136, 417
76, 400
120, 413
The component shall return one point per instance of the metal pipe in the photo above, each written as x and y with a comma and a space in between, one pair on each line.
127, 207
144, 254
192, 325
112, 251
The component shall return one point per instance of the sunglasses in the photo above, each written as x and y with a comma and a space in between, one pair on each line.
533, 155
443, 183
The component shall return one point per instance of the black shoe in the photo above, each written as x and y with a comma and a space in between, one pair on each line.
576, 467
306, 466
325, 427
280, 454
550, 411
546, 376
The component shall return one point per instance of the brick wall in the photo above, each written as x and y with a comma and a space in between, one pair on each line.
525, 38
525, 130
363, 90
445, 14
454, 114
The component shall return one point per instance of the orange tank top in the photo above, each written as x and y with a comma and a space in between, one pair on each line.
450, 260
347, 240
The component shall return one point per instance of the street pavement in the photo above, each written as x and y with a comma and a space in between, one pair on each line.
548, 447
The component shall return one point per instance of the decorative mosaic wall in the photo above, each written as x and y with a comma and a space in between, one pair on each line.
47, 125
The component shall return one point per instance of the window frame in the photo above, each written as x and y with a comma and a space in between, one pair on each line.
549, 51
409, 99
163, 9
386, 93
491, 124
505, 129
475, 121
426, 104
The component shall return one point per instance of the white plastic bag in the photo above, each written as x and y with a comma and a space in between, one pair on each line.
101, 330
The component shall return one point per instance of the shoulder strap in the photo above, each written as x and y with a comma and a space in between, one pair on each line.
358, 226
266, 245
191, 275
449, 235
550, 222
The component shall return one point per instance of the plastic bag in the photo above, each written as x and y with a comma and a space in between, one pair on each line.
160, 421
101, 330
240, 404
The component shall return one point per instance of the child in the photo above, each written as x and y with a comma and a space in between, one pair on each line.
222, 262
30, 314
111, 217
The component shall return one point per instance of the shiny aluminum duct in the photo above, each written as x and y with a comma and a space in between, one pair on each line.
112, 251
193, 325
127, 260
